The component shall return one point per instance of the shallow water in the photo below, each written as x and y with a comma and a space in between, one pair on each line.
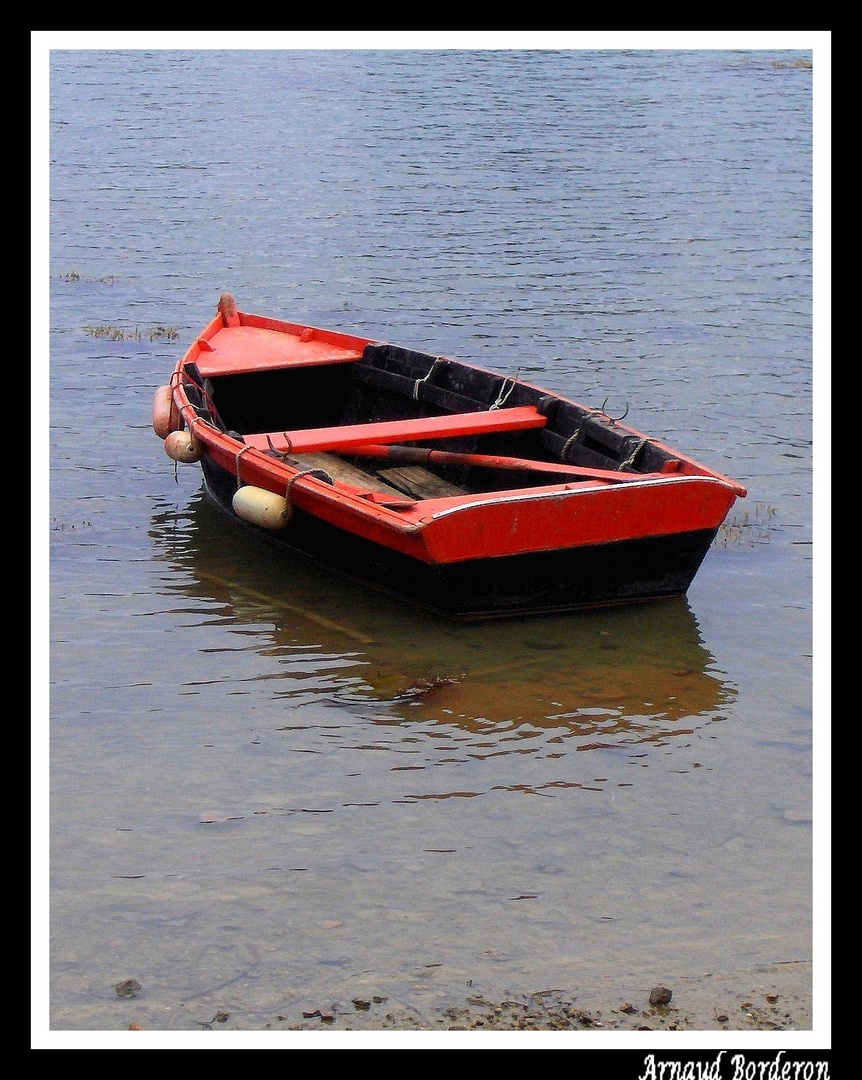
271, 789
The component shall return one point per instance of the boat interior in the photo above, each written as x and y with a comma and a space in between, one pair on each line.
384, 407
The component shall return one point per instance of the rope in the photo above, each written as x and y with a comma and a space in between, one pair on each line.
504, 394
284, 455
207, 402
573, 437
424, 379
322, 474
629, 461
238, 456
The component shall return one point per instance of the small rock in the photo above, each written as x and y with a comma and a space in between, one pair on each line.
660, 995
128, 988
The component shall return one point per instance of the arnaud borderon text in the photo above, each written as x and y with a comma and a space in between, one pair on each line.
736, 1067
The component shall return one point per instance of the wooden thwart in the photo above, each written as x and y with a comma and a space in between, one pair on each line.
343, 438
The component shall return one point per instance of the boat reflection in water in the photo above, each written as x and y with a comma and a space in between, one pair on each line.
599, 678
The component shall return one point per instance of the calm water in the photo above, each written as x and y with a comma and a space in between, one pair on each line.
271, 791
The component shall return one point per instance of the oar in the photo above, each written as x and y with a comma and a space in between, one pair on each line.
417, 455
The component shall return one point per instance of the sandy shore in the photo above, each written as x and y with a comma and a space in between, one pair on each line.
772, 998
769, 998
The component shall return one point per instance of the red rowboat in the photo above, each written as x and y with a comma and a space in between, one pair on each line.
472, 493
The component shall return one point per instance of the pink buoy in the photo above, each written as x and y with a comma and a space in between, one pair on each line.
165, 416
182, 446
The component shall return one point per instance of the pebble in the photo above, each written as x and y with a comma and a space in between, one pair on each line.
127, 988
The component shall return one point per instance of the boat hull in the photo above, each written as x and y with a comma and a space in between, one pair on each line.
564, 579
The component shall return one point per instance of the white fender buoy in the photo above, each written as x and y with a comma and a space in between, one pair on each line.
165, 416
261, 507
183, 446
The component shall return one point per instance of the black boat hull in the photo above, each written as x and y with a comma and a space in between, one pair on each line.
596, 575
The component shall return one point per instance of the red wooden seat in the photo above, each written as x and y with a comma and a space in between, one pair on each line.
341, 439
